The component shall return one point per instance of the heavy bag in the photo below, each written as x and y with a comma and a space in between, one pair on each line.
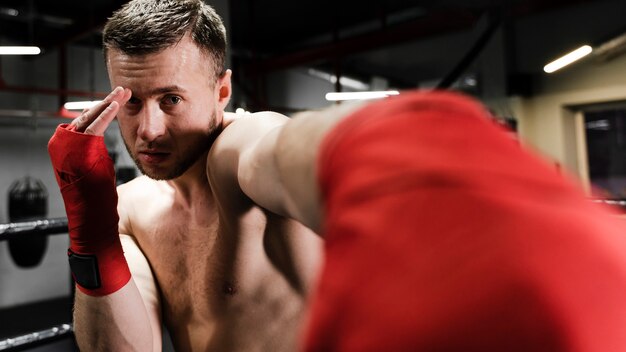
28, 200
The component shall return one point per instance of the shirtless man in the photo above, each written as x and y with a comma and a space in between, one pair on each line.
441, 232
220, 273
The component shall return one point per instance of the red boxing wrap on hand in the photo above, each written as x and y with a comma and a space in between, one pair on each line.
86, 177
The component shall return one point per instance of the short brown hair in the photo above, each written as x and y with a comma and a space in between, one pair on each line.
143, 27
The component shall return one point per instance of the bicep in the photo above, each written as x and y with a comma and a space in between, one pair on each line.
138, 264
144, 280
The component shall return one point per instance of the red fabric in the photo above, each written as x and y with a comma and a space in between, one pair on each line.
443, 234
86, 177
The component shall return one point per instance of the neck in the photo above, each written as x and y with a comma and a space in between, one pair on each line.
193, 184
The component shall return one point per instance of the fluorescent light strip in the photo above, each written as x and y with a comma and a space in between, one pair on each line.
338, 96
19, 50
80, 105
568, 59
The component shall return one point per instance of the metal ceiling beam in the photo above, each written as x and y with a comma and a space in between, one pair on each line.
81, 29
50, 91
435, 24
472, 54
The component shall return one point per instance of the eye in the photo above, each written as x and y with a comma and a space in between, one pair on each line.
171, 100
133, 101
132, 106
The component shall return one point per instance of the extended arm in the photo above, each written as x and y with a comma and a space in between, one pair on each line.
273, 159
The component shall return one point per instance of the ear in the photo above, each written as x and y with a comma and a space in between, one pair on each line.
224, 90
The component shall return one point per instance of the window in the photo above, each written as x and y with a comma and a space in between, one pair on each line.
605, 132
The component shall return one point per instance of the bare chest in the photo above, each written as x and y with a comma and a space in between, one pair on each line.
217, 283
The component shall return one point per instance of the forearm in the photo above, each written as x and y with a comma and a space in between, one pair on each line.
116, 322
126, 319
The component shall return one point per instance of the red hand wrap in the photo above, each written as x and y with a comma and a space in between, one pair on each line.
86, 177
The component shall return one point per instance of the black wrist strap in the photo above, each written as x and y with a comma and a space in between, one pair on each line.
84, 270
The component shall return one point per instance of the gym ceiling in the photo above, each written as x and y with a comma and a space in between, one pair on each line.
403, 41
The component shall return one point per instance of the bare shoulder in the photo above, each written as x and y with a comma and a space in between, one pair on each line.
138, 187
231, 150
250, 123
135, 198
240, 136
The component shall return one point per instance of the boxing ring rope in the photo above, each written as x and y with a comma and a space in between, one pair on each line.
42, 227
614, 202
46, 227
37, 338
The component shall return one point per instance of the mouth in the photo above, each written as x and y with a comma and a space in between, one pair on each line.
153, 157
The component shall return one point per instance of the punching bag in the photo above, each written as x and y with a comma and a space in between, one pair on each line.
28, 200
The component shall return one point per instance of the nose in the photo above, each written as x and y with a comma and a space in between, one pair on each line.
151, 123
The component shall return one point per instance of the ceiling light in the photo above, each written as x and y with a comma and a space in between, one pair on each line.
80, 105
9, 11
19, 50
568, 59
338, 96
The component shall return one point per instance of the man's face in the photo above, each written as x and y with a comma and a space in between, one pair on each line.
175, 108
